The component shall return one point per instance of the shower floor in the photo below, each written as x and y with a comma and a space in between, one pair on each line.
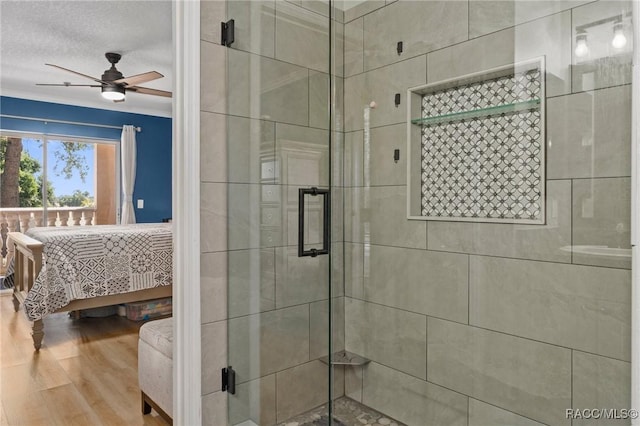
346, 412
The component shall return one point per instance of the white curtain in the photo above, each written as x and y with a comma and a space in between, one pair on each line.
128, 163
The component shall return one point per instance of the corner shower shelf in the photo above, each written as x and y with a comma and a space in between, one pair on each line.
481, 112
346, 358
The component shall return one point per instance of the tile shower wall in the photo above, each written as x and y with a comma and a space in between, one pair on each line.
485, 323
466, 323
264, 134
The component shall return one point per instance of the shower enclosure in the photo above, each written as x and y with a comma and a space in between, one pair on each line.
429, 211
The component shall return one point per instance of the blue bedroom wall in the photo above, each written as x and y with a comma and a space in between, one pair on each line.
153, 174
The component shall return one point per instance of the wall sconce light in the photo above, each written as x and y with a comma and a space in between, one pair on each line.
582, 49
619, 40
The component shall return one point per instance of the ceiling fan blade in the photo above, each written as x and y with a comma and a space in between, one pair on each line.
139, 78
77, 73
68, 85
148, 91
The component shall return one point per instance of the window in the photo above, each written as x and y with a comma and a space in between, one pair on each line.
58, 181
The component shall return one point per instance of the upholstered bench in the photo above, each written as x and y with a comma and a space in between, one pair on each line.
155, 367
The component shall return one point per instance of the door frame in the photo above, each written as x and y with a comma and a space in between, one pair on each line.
187, 395
635, 215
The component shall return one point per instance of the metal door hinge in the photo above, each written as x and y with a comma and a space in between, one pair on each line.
228, 33
229, 380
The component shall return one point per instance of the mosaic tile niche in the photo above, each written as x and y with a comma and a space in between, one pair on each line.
481, 147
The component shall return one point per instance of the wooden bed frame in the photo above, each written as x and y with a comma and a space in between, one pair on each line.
27, 265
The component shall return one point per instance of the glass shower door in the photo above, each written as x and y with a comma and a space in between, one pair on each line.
487, 212
278, 191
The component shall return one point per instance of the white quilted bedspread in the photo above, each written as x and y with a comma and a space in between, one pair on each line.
89, 261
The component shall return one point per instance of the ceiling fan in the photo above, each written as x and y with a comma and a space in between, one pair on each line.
113, 84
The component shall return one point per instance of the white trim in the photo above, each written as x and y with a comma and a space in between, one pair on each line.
187, 395
635, 212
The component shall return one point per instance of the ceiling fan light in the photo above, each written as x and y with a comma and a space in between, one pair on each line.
113, 93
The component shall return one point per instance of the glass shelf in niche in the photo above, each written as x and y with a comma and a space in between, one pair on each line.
481, 112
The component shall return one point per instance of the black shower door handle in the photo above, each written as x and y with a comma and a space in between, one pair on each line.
325, 222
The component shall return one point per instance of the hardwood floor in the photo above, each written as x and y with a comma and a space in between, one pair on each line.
86, 372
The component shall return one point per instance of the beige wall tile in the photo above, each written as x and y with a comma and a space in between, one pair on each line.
321, 6
254, 25
213, 287
389, 336
214, 355
410, 400
353, 377
251, 281
300, 279
541, 242
528, 378
294, 393
381, 85
383, 169
357, 8
214, 409
481, 414
600, 382
264, 88
353, 158
253, 216
354, 269
303, 155
601, 222
589, 134
213, 217
213, 70
379, 215
337, 216
420, 281
302, 37
255, 401
550, 36
490, 16
213, 147
265, 343
354, 47
319, 99
250, 151
212, 12
337, 269
578, 307
422, 26
319, 327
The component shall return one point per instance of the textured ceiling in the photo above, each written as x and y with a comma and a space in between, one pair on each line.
76, 35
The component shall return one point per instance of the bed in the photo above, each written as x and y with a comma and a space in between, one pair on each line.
61, 269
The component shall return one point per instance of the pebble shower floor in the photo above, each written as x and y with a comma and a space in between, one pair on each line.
346, 412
